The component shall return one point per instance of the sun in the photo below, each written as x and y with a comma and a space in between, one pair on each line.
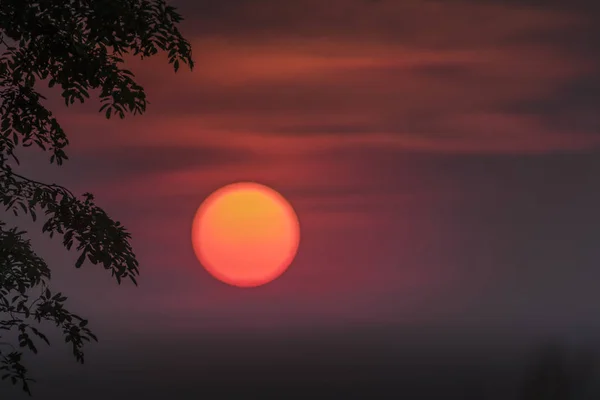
245, 234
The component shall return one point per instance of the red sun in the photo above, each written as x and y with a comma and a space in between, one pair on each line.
245, 234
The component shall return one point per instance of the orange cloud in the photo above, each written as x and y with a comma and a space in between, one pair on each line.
420, 76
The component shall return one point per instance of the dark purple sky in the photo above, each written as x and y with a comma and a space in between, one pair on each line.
442, 156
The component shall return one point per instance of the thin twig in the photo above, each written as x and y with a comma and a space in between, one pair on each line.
32, 181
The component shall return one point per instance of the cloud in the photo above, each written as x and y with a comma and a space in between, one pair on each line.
282, 89
143, 159
457, 76
421, 75
415, 21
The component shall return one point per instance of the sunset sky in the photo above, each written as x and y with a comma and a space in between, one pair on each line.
443, 158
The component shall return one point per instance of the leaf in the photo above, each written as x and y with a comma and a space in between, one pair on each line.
80, 260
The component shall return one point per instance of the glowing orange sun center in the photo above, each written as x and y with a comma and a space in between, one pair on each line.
245, 234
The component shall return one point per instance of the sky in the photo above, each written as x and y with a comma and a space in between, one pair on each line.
442, 158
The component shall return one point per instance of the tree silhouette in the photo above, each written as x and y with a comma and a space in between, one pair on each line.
78, 46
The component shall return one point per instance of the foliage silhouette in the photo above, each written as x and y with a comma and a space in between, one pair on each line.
78, 46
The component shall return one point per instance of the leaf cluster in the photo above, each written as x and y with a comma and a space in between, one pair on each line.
22, 271
77, 47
